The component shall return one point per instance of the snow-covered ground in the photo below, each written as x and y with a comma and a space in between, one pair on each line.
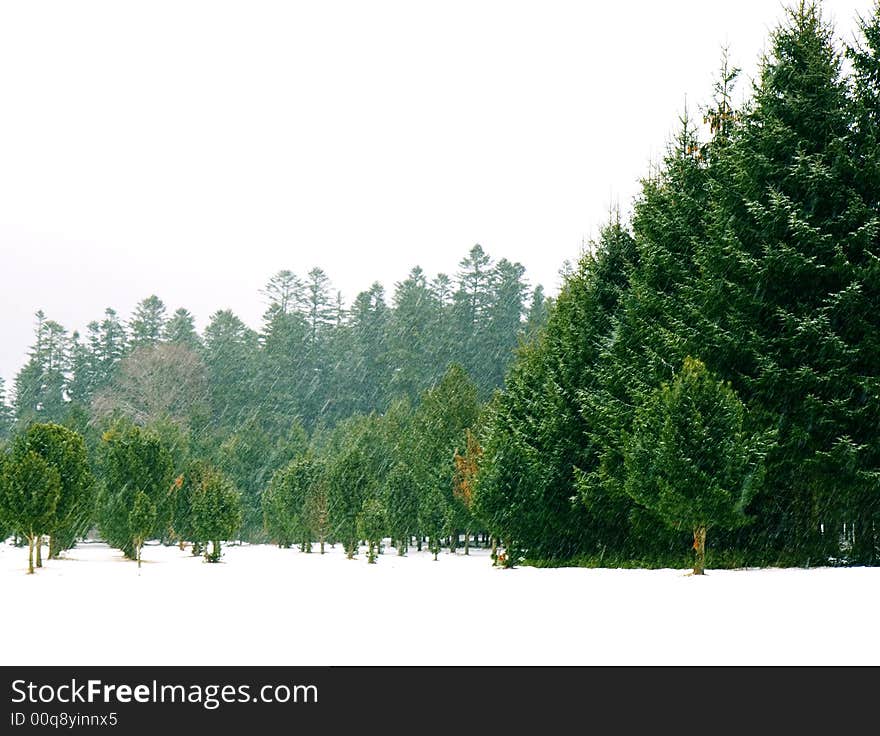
264, 605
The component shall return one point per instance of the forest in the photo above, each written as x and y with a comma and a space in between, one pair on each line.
704, 389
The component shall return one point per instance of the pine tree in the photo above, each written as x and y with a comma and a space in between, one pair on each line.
40, 384
65, 451
864, 501
230, 356
466, 469
249, 456
317, 507
432, 517
371, 523
535, 439
285, 293
354, 460
141, 522
147, 324
110, 347
181, 330
470, 312
285, 504
6, 415
539, 310
439, 428
785, 290
29, 490
368, 374
402, 504
216, 512
502, 326
689, 459
133, 460
414, 342
654, 323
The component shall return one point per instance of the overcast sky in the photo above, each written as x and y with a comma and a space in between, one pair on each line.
192, 149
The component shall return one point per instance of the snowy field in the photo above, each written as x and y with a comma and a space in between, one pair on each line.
266, 606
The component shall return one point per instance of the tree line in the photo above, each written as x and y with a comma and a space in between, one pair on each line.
401, 474
714, 364
708, 376
314, 409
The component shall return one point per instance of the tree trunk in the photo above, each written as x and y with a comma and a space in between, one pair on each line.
53, 548
494, 554
39, 550
30, 555
216, 553
322, 546
467, 542
700, 549
139, 556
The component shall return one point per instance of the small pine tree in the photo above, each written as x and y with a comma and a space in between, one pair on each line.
371, 526
402, 503
29, 491
317, 510
141, 522
688, 458
133, 460
433, 517
65, 450
216, 511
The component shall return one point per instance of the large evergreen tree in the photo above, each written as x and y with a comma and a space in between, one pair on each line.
786, 284
40, 384
536, 439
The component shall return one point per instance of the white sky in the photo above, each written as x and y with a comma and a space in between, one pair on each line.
192, 149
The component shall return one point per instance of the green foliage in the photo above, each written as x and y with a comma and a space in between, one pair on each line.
439, 432
133, 461
371, 524
754, 247
29, 492
250, 456
433, 517
688, 457
216, 511
402, 504
148, 323
285, 504
6, 414
354, 464
64, 450
141, 521
535, 437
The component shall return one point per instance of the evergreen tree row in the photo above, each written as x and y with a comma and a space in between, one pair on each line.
715, 364
401, 475
707, 378
313, 359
